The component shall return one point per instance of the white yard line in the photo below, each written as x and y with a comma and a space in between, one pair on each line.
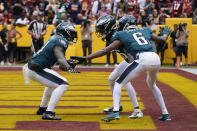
193, 71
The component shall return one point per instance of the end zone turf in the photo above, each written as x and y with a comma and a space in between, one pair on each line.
81, 107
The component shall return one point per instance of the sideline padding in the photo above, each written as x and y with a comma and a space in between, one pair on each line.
76, 49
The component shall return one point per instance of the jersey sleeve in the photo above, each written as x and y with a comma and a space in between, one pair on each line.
62, 42
118, 36
149, 30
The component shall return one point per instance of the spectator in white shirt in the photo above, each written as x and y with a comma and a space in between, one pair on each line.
141, 4
22, 21
95, 7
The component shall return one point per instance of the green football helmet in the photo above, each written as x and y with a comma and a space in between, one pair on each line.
68, 31
126, 21
105, 26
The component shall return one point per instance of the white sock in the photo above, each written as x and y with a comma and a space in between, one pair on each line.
56, 95
46, 96
111, 85
116, 96
132, 94
159, 98
137, 110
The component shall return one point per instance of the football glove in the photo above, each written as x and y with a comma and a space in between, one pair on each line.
166, 30
79, 59
72, 70
72, 63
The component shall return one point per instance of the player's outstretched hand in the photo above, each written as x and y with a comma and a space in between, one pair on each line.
166, 30
72, 70
72, 63
79, 59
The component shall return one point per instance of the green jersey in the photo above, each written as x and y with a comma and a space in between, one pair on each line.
135, 41
45, 57
120, 50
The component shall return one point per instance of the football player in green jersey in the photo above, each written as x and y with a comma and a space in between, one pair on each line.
136, 42
123, 23
39, 69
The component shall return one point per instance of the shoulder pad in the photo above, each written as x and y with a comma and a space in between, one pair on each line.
63, 43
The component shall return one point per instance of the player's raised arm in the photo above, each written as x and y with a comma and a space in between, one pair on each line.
161, 39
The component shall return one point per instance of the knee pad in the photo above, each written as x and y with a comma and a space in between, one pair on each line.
64, 87
111, 81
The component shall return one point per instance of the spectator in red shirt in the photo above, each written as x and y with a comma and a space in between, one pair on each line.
7, 17
132, 5
178, 7
188, 7
85, 7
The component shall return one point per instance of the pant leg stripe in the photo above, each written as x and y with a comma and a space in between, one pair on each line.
51, 77
127, 71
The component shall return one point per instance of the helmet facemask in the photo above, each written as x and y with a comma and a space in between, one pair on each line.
71, 36
67, 31
105, 26
127, 22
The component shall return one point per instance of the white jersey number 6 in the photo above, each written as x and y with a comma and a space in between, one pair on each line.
140, 39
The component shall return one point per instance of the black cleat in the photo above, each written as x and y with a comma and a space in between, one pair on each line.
49, 115
41, 110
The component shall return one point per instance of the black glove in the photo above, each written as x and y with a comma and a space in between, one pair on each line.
72, 70
79, 59
72, 63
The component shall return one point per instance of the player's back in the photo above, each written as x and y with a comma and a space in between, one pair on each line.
135, 40
45, 56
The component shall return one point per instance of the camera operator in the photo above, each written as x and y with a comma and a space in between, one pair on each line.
86, 33
182, 43
161, 47
173, 42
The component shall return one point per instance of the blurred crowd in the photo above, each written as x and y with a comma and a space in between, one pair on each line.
76, 11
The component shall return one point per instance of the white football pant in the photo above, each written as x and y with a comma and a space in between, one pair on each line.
55, 84
148, 62
115, 75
